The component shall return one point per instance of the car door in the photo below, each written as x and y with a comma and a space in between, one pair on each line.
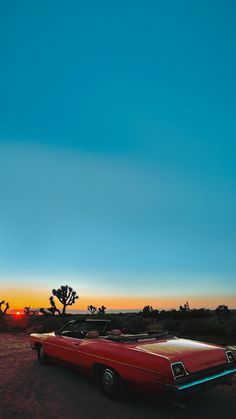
65, 344
68, 349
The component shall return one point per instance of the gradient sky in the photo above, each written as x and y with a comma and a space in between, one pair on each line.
118, 152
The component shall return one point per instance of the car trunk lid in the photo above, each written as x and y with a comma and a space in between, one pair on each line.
196, 356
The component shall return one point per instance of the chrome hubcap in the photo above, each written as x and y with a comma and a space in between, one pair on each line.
108, 380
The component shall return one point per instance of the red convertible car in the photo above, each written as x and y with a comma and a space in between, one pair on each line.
155, 362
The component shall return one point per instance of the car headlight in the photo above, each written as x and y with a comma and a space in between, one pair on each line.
230, 356
178, 370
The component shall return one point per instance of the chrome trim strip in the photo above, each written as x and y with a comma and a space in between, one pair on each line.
101, 357
204, 380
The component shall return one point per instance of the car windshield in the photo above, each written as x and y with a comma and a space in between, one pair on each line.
79, 329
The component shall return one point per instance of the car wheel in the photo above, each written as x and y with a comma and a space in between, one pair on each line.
42, 357
111, 384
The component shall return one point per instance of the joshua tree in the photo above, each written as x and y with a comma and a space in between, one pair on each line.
28, 311
66, 295
147, 311
102, 310
92, 309
185, 307
53, 308
3, 312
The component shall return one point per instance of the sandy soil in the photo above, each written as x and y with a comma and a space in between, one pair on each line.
29, 390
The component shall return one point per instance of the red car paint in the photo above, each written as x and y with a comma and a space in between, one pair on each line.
145, 363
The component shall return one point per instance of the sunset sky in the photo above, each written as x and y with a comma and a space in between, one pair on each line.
118, 152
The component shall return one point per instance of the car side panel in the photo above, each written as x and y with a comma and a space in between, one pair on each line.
136, 368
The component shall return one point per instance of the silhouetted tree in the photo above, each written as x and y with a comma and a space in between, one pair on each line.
92, 309
147, 311
222, 308
3, 311
29, 312
53, 308
222, 311
66, 295
185, 307
101, 310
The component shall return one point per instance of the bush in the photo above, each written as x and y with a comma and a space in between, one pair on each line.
171, 325
134, 325
200, 326
49, 323
230, 327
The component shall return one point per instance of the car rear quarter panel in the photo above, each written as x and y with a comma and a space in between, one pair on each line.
151, 372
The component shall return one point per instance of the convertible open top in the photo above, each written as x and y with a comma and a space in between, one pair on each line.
104, 331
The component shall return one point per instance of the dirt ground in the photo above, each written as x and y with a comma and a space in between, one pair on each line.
29, 390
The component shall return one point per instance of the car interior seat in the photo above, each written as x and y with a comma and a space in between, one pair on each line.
92, 334
115, 332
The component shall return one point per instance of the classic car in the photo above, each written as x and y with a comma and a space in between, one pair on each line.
155, 362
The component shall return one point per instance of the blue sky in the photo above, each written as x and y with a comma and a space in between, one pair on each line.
117, 146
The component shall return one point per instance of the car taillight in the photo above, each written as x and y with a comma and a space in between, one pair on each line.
230, 356
178, 370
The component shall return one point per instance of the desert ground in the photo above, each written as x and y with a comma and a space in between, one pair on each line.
29, 390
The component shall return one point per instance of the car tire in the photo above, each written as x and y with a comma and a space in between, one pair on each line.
42, 356
111, 384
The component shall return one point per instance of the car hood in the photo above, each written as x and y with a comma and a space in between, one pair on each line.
196, 356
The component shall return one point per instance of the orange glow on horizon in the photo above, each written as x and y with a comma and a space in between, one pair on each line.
18, 298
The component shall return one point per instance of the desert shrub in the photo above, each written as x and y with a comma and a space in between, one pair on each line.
115, 319
39, 328
200, 326
148, 311
171, 325
49, 323
152, 324
133, 325
33, 323
18, 323
230, 327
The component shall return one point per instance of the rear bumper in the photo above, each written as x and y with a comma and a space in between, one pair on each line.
190, 386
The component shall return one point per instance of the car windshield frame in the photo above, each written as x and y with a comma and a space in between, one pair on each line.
84, 326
